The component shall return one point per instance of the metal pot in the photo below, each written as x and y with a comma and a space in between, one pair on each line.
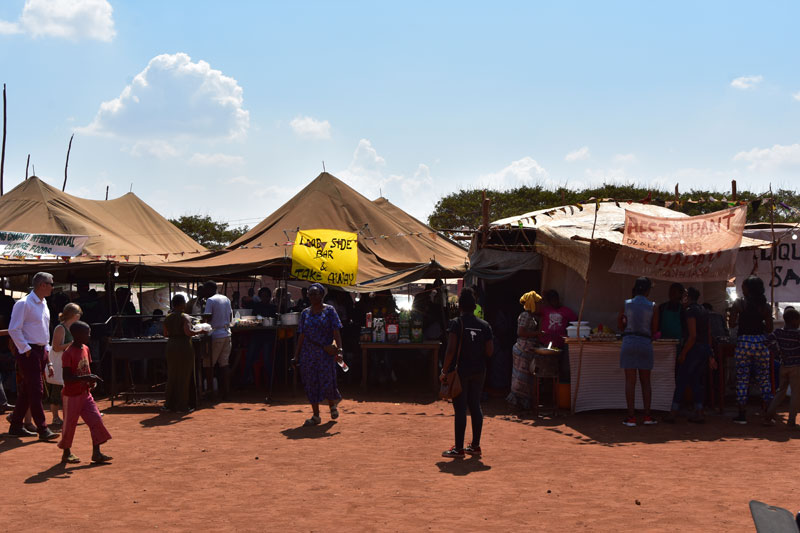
290, 319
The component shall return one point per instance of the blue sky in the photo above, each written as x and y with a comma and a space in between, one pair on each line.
229, 108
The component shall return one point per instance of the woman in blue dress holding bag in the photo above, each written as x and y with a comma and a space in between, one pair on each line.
319, 348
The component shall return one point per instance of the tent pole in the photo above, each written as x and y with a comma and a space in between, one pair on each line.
774, 246
580, 313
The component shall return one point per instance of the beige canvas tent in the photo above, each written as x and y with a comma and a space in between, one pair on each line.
393, 247
123, 230
563, 239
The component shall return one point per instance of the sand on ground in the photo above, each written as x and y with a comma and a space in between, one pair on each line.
247, 466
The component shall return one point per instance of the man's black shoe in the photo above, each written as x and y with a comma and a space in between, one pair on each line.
47, 435
20, 432
5, 408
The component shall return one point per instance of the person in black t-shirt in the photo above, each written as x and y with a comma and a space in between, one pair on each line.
472, 337
694, 359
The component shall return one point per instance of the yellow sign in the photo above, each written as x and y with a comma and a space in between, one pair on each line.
325, 256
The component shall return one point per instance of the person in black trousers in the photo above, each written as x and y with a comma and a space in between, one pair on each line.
472, 338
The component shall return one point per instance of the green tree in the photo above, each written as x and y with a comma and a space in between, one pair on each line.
462, 209
213, 235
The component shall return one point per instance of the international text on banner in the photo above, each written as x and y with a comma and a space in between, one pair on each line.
325, 256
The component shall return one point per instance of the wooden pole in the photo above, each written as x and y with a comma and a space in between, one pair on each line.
3, 153
27, 163
677, 194
733, 189
774, 247
66, 165
484, 219
580, 313
106, 192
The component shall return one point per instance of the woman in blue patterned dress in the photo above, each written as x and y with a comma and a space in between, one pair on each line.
319, 348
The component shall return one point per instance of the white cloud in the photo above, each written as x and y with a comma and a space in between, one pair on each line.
157, 149
67, 19
242, 180
624, 159
796, 96
746, 82
779, 157
222, 160
9, 28
175, 98
311, 128
578, 155
525, 171
365, 172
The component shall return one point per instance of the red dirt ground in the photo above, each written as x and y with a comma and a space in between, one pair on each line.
247, 466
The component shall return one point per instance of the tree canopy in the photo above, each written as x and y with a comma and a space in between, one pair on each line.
213, 235
462, 209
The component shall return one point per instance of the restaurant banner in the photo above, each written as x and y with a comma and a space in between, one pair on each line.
785, 275
325, 256
20, 245
686, 249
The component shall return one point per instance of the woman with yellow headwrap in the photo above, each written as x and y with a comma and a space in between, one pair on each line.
527, 340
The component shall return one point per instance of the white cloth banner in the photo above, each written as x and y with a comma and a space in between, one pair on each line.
686, 249
785, 276
20, 245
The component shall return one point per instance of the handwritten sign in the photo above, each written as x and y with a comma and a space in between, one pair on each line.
325, 256
20, 245
785, 275
702, 234
686, 249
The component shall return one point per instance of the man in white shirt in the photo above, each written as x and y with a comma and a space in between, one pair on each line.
219, 314
30, 330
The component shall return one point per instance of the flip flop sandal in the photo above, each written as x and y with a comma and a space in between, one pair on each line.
313, 421
334, 412
71, 459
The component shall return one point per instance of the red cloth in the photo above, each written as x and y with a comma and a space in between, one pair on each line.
77, 359
554, 324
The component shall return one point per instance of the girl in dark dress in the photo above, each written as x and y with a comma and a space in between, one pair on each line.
181, 392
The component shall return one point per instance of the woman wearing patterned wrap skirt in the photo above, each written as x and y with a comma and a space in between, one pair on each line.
527, 339
753, 317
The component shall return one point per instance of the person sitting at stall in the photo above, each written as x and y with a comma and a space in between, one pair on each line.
695, 358
181, 393
672, 321
753, 317
303, 302
130, 326
786, 343
260, 341
555, 319
638, 321
283, 300
154, 326
522, 379
319, 348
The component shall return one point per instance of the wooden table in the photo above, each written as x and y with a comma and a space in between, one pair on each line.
602, 383
431, 346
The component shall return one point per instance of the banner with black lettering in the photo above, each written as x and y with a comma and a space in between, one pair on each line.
685, 249
325, 256
21, 245
785, 275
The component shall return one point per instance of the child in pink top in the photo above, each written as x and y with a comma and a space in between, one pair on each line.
77, 398
555, 319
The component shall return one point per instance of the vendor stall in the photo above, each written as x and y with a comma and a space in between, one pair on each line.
145, 349
432, 347
602, 382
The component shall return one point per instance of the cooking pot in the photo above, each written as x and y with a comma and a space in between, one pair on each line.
290, 319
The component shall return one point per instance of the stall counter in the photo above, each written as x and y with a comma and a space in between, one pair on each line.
602, 381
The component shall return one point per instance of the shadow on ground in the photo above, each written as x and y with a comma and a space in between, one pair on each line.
320, 431
462, 467
60, 471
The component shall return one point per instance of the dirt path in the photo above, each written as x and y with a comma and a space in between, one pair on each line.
246, 466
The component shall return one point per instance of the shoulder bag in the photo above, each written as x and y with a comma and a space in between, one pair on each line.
451, 386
